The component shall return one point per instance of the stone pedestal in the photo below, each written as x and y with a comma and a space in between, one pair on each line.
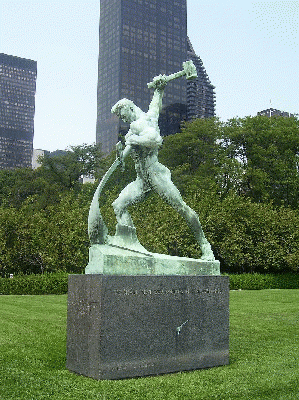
127, 326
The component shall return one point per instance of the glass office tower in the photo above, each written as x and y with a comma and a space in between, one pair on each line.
17, 107
200, 91
140, 39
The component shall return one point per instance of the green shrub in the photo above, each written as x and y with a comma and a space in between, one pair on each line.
248, 237
260, 281
45, 241
35, 284
57, 283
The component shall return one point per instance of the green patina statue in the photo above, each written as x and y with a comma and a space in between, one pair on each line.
142, 143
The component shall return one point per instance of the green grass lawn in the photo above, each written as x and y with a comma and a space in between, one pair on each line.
264, 354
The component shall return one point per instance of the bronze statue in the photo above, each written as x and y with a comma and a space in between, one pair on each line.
142, 143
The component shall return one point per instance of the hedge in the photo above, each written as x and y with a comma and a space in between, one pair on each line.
261, 281
35, 284
57, 283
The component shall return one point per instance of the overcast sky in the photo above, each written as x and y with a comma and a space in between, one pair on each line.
249, 49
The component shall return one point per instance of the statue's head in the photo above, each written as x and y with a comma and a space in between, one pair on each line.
126, 110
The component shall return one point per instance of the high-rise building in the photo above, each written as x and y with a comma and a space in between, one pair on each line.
36, 155
138, 40
200, 91
17, 107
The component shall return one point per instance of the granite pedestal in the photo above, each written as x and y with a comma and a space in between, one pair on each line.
128, 326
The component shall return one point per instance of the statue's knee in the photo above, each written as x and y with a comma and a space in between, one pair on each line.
116, 207
192, 216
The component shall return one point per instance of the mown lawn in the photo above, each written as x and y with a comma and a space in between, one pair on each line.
264, 354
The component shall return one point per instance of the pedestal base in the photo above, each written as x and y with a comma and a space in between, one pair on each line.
128, 326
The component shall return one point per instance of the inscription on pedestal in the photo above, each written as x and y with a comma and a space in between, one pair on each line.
187, 291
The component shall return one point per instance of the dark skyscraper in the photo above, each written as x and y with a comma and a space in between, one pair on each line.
200, 91
17, 106
140, 39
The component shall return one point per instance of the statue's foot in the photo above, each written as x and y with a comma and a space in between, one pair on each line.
126, 238
126, 233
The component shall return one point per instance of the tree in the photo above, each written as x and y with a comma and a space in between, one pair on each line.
67, 167
46, 240
241, 177
191, 154
268, 150
19, 184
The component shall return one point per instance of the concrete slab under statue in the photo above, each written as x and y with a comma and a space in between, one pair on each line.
122, 254
134, 312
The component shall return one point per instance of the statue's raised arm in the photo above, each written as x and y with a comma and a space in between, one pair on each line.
159, 83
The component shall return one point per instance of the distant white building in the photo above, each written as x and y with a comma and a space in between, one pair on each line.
35, 157
87, 179
271, 112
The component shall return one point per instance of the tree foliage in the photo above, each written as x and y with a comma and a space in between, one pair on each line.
192, 155
256, 157
241, 177
47, 240
268, 150
17, 185
65, 168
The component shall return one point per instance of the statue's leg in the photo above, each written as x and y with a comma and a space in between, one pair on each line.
134, 192
163, 185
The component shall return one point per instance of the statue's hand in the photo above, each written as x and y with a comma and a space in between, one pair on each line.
119, 154
159, 82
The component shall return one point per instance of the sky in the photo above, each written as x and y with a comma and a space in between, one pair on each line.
250, 50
